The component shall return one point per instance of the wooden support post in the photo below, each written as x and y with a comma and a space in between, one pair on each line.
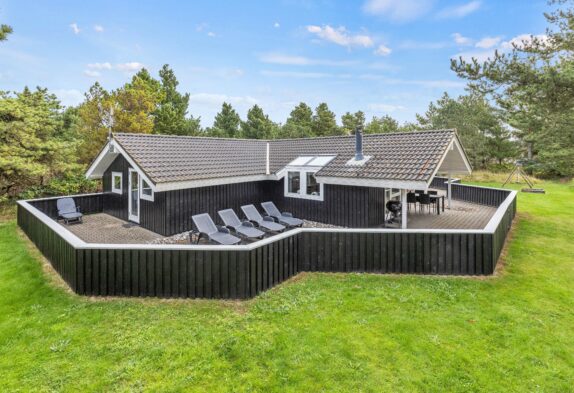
449, 190
404, 206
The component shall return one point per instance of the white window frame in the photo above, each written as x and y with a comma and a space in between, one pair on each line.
302, 184
114, 189
142, 195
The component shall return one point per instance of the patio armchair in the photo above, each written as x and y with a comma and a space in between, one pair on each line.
425, 200
253, 215
411, 198
244, 228
283, 217
207, 228
68, 211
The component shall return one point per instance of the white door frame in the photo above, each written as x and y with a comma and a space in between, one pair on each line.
133, 217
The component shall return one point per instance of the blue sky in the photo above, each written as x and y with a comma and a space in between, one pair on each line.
379, 56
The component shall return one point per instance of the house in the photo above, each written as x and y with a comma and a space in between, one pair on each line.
160, 181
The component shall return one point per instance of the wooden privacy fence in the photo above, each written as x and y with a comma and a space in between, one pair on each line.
239, 272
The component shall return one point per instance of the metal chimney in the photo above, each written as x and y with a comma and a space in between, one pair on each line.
358, 144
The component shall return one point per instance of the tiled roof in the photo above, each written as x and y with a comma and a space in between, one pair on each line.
410, 156
166, 158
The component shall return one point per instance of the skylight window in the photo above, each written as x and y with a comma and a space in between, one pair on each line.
300, 161
320, 161
311, 161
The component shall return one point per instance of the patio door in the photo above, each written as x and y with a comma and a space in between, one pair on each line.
134, 196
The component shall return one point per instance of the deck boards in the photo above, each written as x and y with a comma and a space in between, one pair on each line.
462, 215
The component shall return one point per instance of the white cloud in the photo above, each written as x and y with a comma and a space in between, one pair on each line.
202, 26
280, 58
488, 46
98, 28
69, 97
488, 42
92, 73
129, 67
522, 39
382, 50
218, 99
400, 11
276, 25
75, 28
340, 36
385, 107
210, 34
295, 74
100, 66
461, 40
460, 11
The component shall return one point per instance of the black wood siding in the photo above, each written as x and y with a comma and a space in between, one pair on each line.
348, 206
115, 204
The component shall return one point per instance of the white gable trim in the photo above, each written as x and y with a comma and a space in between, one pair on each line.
380, 183
95, 172
181, 185
454, 143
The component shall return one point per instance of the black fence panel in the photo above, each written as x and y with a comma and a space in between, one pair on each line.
441, 183
88, 204
479, 195
60, 253
243, 273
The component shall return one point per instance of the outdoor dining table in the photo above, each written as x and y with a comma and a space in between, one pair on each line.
437, 201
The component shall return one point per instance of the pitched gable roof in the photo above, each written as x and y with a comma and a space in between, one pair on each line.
166, 158
394, 156
172, 160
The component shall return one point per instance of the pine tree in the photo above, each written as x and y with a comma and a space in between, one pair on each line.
379, 125
352, 121
5, 30
170, 116
32, 150
534, 86
324, 121
258, 125
299, 124
227, 123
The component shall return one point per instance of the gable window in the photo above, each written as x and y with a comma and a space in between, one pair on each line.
146, 191
117, 182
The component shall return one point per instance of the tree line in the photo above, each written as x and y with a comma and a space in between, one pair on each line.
518, 105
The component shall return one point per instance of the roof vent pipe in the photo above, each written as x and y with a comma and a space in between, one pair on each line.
358, 144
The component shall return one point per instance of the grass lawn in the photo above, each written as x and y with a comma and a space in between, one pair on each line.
317, 332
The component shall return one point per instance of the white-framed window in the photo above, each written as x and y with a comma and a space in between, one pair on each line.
117, 182
145, 190
301, 183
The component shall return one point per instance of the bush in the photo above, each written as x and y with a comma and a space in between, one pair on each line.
71, 184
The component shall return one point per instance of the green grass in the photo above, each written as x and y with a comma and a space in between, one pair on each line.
318, 332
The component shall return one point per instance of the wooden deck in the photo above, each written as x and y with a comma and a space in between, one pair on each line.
103, 228
461, 215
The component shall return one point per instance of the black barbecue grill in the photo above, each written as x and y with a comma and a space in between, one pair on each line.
394, 208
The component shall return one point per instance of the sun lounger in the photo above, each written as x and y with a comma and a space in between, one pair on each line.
207, 227
253, 215
284, 218
244, 228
